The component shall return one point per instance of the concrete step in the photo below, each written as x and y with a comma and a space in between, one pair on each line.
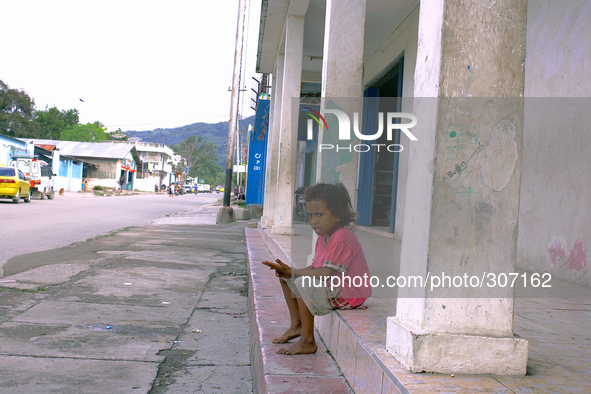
354, 338
269, 318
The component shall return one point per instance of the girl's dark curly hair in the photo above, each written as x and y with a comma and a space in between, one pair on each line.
337, 200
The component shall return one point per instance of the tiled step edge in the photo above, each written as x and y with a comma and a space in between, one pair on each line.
271, 372
365, 371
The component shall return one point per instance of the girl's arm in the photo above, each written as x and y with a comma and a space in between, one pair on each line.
313, 272
282, 270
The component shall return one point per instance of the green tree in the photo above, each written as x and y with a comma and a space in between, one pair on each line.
211, 172
53, 122
201, 158
16, 113
90, 132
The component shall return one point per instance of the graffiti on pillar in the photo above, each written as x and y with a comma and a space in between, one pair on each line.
457, 139
460, 146
460, 188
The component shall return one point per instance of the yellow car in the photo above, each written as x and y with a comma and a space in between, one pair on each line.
14, 184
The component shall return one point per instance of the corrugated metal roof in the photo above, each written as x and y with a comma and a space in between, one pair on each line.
105, 150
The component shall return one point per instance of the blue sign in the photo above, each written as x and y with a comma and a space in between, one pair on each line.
257, 155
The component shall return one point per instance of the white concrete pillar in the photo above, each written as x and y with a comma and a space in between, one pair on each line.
292, 76
342, 59
342, 83
267, 219
463, 192
342, 87
55, 163
301, 159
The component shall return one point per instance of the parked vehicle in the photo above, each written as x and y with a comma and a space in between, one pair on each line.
44, 185
14, 184
190, 186
39, 172
206, 188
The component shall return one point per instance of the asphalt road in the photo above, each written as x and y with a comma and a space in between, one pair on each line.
47, 224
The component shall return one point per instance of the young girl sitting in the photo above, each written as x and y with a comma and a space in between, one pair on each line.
338, 252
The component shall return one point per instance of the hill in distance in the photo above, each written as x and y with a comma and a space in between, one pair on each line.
211, 132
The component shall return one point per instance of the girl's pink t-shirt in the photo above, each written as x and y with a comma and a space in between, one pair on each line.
343, 253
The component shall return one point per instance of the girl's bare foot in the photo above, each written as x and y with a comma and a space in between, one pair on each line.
302, 346
290, 334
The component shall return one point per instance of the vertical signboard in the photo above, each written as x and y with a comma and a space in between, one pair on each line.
257, 155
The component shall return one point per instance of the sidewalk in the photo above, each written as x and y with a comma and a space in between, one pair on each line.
151, 309
558, 330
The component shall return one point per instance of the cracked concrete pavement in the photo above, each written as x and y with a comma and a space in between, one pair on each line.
154, 309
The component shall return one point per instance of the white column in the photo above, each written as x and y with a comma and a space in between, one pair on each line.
273, 145
342, 85
55, 165
342, 59
342, 80
292, 76
462, 196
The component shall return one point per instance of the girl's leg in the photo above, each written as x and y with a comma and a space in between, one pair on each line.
306, 344
295, 327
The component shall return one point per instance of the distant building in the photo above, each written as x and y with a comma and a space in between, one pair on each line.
11, 146
99, 163
156, 162
68, 170
142, 165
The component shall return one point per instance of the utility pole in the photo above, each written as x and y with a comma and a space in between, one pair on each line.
234, 103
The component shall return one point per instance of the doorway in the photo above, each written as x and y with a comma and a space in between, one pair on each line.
378, 180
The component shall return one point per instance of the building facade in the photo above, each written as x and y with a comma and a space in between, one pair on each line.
156, 166
103, 164
444, 120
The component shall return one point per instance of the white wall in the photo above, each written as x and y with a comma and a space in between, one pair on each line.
146, 184
558, 48
60, 182
555, 216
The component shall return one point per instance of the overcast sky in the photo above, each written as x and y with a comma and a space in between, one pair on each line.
138, 65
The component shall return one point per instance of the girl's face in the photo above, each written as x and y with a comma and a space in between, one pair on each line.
321, 219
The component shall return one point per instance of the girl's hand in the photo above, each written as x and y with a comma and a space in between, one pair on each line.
281, 270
